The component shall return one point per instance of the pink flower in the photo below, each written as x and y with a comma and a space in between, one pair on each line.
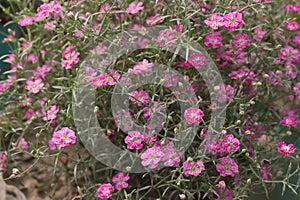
124, 121
230, 144
233, 20
193, 115
134, 140
120, 181
142, 68
265, 170
214, 40
259, 34
26, 21
166, 38
2, 161
289, 121
292, 26
104, 9
156, 19
224, 194
215, 21
152, 156
135, 8
171, 79
224, 93
70, 57
140, 97
197, 60
296, 40
241, 41
297, 90
285, 149
34, 86
213, 145
171, 156
51, 113
227, 167
192, 168
64, 137
41, 72
105, 191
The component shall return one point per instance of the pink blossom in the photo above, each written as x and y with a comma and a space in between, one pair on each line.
124, 121
285, 149
259, 34
224, 194
296, 89
3, 159
26, 21
227, 167
64, 137
230, 144
149, 138
120, 180
34, 86
105, 191
292, 26
171, 156
193, 115
32, 58
233, 20
70, 57
41, 72
214, 40
51, 113
213, 145
197, 60
289, 121
289, 54
152, 156
135, 8
290, 70
265, 170
140, 97
215, 21
296, 40
166, 38
105, 79
134, 140
224, 93
193, 168
156, 19
142, 68
103, 9
241, 41
171, 79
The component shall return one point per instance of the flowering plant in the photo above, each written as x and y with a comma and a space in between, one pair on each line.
192, 99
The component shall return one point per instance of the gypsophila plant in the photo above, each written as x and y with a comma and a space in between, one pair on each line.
162, 99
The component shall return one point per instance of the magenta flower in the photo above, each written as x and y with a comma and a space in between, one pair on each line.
135, 8
292, 26
51, 113
152, 156
296, 40
171, 156
224, 93
213, 145
41, 72
120, 181
297, 90
166, 38
193, 115
214, 40
34, 86
259, 34
265, 170
140, 97
124, 121
64, 137
224, 194
171, 79
105, 191
197, 60
105, 79
103, 9
285, 149
70, 57
142, 68
289, 121
241, 41
230, 144
215, 21
227, 167
156, 19
233, 20
134, 140
2, 161
26, 21
192, 168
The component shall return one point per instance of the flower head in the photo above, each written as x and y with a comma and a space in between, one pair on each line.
192, 168
227, 167
285, 149
105, 191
